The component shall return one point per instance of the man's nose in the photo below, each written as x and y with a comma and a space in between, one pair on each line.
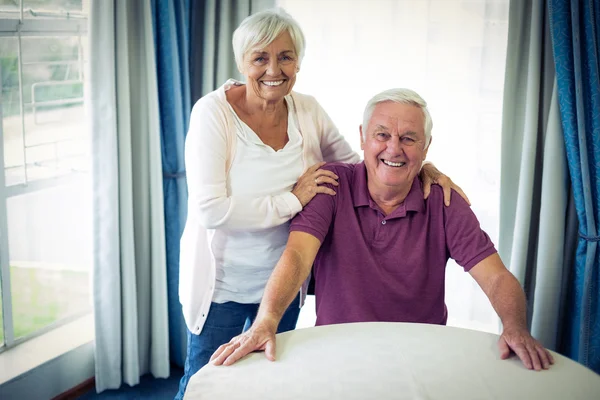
394, 145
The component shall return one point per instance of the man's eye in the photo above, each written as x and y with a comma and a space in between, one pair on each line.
407, 140
382, 136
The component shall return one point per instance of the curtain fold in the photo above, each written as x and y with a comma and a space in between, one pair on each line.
129, 276
171, 28
193, 57
534, 188
575, 28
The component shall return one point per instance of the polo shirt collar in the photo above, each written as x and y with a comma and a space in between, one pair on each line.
361, 197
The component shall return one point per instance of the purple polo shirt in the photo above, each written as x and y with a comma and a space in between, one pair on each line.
373, 267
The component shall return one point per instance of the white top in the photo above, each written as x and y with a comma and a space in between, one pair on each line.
210, 150
245, 259
380, 360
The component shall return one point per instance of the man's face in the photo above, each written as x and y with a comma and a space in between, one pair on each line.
394, 146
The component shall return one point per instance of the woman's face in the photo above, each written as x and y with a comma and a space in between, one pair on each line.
271, 71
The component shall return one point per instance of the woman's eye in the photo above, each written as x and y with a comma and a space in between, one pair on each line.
286, 59
259, 59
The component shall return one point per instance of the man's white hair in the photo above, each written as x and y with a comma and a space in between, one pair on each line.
404, 96
261, 29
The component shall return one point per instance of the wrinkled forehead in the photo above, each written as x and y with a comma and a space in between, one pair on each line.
397, 117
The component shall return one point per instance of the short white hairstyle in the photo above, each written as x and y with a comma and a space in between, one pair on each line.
404, 96
261, 29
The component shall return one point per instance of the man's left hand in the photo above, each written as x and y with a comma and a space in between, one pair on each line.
530, 351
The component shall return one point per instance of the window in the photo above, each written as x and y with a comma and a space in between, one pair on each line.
45, 203
452, 52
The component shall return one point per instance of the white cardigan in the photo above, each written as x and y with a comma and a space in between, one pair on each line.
209, 150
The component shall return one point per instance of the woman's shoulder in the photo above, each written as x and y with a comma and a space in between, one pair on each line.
210, 102
304, 100
217, 99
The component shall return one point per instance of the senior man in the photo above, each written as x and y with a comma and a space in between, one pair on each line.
380, 250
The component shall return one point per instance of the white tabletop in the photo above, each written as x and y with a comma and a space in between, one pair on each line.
390, 361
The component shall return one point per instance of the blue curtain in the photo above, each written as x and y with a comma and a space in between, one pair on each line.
171, 35
196, 33
576, 43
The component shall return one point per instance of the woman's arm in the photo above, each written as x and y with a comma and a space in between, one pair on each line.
205, 159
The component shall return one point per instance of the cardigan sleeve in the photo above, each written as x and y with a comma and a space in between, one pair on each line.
206, 153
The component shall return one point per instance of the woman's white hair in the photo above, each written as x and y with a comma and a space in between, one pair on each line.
261, 29
402, 95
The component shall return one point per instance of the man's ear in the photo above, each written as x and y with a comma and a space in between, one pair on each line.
427, 148
362, 140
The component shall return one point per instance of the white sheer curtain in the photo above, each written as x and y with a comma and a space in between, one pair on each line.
130, 290
450, 51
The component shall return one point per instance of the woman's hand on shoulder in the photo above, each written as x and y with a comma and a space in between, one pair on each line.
431, 175
312, 182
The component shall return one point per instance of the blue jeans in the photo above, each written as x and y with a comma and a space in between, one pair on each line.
224, 322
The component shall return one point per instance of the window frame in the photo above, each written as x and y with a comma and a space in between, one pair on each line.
62, 24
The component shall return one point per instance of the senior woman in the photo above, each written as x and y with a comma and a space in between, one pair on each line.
253, 154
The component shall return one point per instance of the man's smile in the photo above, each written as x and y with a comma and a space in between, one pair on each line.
393, 164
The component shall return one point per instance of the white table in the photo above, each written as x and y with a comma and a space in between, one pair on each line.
390, 361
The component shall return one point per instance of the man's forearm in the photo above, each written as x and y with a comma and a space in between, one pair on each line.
283, 285
285, 281
508, 299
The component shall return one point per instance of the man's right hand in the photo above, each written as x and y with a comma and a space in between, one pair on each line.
260, 337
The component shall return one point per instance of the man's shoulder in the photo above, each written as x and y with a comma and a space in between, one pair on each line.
436, 197
340, 168
346, 173
436, 194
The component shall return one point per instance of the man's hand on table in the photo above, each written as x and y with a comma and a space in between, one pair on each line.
530, 351
260, 337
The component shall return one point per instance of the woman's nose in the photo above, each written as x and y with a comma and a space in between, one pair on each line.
273, 67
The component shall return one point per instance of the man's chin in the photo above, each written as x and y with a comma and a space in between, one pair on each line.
399, 180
